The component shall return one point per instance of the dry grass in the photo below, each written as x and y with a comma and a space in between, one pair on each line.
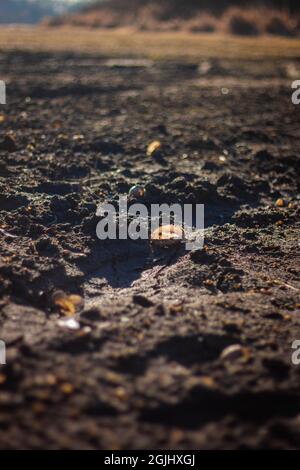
159, 45
202, 23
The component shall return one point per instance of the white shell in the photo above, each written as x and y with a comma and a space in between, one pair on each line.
232, 352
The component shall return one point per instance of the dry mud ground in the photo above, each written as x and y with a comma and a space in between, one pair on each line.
145, 369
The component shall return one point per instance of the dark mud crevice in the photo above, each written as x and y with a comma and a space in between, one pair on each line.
187, 351
205, 406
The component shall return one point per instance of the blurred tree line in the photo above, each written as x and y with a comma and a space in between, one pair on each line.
216, 6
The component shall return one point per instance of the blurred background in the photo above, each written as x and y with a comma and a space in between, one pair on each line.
252, 17
32, 11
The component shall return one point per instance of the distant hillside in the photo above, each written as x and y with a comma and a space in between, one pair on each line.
233, 16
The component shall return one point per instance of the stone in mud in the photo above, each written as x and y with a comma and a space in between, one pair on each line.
92, 314
142, 301
46, 245
8, 144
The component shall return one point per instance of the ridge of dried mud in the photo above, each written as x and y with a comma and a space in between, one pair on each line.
147, 372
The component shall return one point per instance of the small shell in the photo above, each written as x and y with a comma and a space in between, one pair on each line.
137, 192
168, 235
153, 148
279, 202
67, 304
234, 352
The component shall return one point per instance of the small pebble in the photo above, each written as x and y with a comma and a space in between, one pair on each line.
8, 143
208, 382
2, 379
69, 323
67, 388
51, 379
78, 137
38, 408
120, 393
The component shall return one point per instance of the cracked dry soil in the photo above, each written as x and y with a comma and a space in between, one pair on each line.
145, 368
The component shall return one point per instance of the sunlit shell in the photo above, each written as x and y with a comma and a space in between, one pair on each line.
168, 235
67, 388
280, 202
153, 148
234, 352
67, 304
137, 192
78, 137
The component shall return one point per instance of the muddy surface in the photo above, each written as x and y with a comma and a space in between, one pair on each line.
145, 369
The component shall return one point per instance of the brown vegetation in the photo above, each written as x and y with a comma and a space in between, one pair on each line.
203, 23
176, 15
241, 22
251, 22
281, 24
